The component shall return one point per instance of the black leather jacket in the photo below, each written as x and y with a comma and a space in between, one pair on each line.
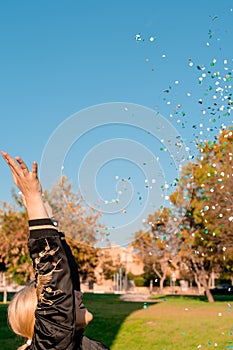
56, 277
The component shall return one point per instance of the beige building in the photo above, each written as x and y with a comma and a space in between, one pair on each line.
123, 257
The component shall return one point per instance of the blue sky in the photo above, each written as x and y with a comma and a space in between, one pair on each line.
61, 57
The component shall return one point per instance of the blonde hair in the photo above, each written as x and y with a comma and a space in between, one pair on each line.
21, 312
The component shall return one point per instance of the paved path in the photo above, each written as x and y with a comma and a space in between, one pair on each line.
138, 298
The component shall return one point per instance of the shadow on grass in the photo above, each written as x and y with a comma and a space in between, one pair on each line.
109, 313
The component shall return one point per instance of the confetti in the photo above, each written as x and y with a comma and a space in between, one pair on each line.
138, 37
152, 39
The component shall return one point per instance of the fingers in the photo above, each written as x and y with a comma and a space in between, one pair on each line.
12, 164
83, 317
10, 161
15, 167
23, 166
7, 158
34, 169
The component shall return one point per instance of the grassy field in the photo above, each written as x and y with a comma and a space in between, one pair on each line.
172, 323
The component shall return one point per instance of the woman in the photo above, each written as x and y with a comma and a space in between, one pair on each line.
48, 312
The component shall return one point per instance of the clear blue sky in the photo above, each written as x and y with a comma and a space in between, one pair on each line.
60, 57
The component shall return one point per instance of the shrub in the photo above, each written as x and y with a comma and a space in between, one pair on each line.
139, 281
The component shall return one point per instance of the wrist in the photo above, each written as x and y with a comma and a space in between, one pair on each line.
35, 208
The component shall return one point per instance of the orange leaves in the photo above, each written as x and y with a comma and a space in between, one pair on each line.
13, 241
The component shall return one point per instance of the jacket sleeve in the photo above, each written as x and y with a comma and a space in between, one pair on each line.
55, 312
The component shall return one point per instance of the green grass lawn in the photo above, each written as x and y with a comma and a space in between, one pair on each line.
173, 323
177, 324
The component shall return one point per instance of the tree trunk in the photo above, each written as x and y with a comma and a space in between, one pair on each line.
197, 283
209, 281
161, 277
151, 286
209, 295
205, 284
202, 277
161, 282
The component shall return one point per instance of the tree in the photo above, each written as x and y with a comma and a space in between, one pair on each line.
107, 266
158, 245
217, 209
205, 209
86, 258
13, 240
192, 246
74, 218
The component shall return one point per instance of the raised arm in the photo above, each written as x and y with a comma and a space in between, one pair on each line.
55, 313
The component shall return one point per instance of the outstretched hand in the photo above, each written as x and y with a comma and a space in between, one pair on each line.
29, 184
27, 181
